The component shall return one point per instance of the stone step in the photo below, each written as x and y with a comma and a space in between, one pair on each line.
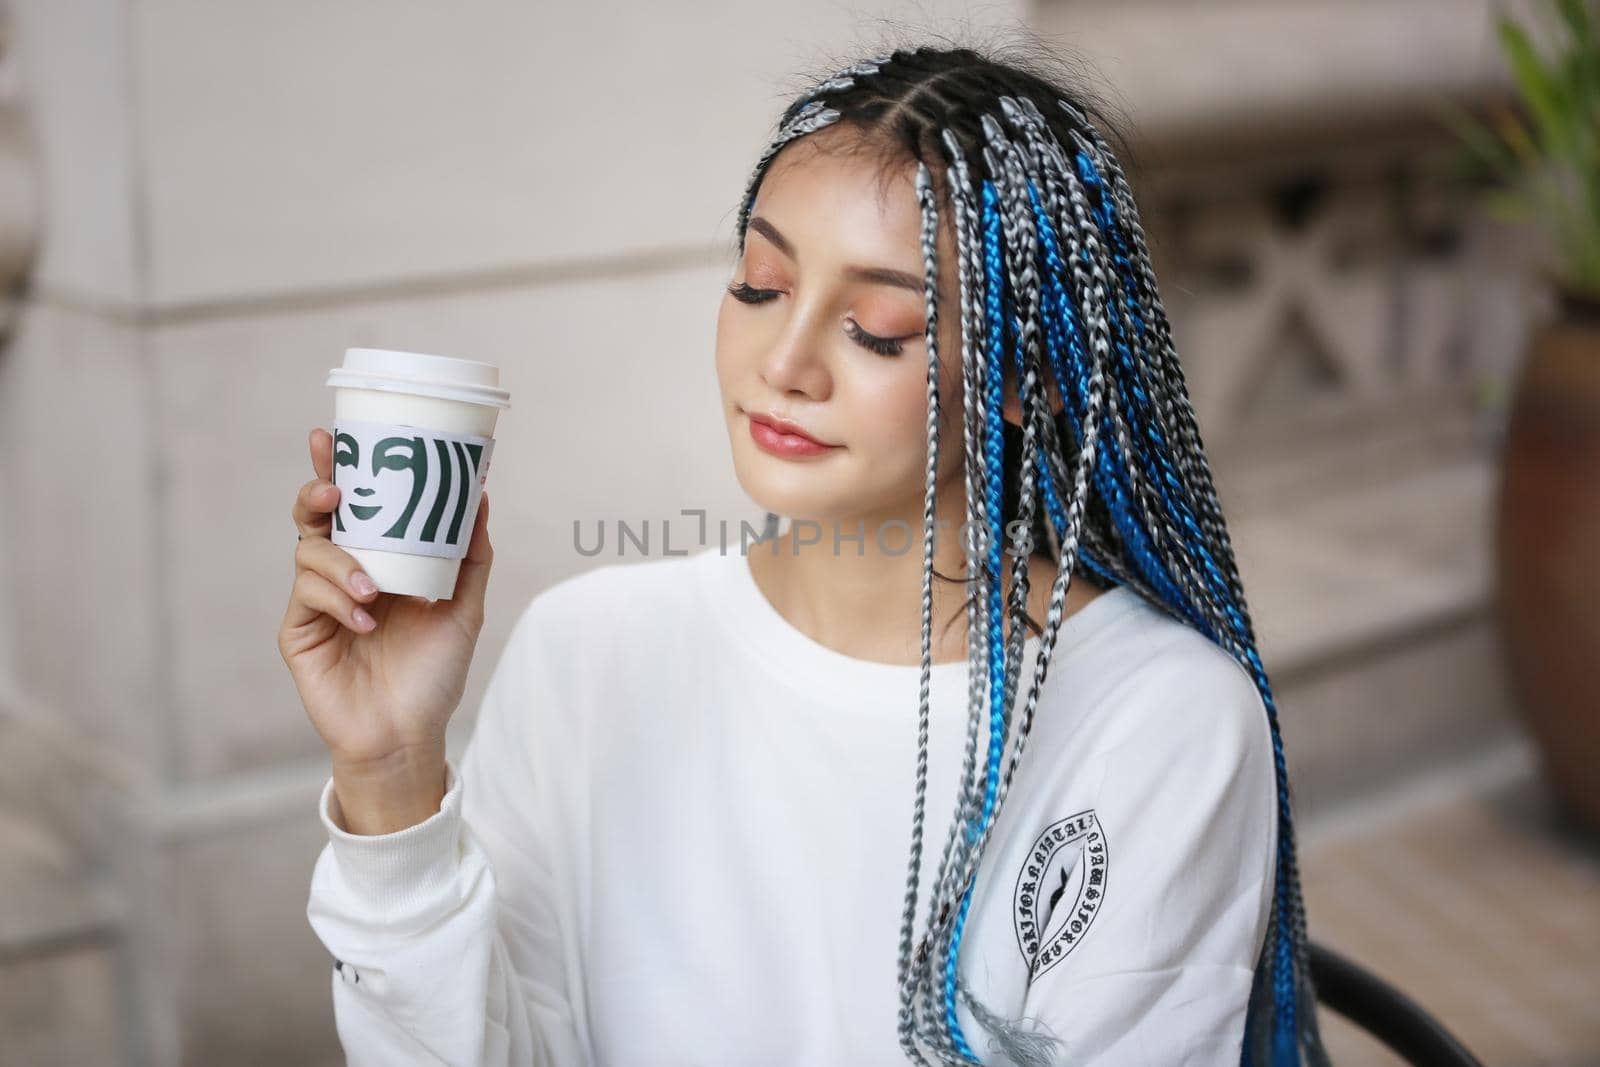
1370, 585
1362, 567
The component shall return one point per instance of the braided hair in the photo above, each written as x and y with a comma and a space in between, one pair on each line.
1055, 277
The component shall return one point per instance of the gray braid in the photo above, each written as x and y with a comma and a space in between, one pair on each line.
1069, 548
1026, 1048
810, 116
813, 116
1019, 247
1044, 154
1157, 519
932, 953
966, 858
1165, 360
1052, 166
1175, 400
1065, 193
1171, 545
930, 270
1023, 1046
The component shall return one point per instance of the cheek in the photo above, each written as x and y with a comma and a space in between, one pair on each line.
890, 411
729, 342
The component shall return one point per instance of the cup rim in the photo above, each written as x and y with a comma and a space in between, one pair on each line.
491, 396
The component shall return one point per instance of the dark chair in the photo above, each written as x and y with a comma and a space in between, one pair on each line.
1384, 1012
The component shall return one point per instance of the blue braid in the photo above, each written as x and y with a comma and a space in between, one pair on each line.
1110, 477
1147, 436
1127, 376
1057, 316
1000, 337
1285, 1044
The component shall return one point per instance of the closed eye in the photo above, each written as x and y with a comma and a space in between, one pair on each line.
745, 294
883, 346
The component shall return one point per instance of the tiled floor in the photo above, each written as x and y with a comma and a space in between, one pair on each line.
1483, 908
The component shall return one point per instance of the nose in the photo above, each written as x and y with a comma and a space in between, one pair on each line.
796, 363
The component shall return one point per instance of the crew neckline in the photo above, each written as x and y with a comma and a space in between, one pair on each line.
750, 619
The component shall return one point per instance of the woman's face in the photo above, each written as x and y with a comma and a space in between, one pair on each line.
838, 271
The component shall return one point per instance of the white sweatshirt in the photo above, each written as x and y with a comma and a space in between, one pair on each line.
680, 830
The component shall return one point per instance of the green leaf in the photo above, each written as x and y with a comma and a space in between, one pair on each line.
1516, 136
1576, 15
1540, 90
1558, 156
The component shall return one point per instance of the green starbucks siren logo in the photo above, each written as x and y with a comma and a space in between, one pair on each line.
407, 488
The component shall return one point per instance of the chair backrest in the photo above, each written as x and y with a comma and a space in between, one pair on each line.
1384, 1012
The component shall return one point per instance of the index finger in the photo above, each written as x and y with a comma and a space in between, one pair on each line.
322, 453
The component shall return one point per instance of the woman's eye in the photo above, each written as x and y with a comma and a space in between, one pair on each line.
742, 292
883, 346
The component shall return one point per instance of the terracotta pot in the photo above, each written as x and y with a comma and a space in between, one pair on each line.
1547, 549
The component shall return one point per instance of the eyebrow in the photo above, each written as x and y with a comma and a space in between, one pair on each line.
877, 275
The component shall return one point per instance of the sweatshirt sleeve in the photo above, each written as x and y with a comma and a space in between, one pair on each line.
1156, 935
450, 944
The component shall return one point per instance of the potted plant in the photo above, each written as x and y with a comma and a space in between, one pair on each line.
1547, 517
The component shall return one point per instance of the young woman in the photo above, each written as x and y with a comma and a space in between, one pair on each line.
679, 831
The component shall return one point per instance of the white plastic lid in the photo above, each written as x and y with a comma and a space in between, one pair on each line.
444, 377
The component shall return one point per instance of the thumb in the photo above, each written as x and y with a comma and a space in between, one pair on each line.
473, 580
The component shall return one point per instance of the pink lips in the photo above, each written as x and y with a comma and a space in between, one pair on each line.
785, 439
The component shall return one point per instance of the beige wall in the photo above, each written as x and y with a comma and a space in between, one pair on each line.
235, 193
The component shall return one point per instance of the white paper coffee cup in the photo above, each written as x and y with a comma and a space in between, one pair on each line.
413, 436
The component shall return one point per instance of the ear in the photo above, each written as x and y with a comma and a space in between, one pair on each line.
1011, 401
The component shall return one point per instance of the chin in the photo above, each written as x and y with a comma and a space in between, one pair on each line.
795, 490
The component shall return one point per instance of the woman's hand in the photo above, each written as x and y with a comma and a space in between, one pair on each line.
379, 674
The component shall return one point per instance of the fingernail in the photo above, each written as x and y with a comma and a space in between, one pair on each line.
362, 619
363, 584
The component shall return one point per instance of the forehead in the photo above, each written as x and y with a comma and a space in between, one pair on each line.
828, 187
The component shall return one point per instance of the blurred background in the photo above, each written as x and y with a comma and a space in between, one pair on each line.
203, 203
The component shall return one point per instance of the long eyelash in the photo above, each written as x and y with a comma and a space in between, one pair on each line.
743, 292
881, 345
